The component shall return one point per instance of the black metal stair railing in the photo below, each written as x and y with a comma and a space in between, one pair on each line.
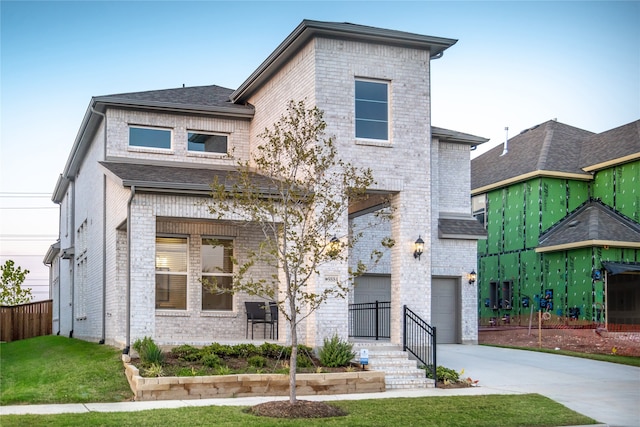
370, 320
420, 340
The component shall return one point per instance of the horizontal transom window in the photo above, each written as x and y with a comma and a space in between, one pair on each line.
207, 143
149, 137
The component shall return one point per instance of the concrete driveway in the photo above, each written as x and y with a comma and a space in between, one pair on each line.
606, 392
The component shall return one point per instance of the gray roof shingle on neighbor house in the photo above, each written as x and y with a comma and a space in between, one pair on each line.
198, 98
591, 222
613, 144
177, 179
460, 228
550, 146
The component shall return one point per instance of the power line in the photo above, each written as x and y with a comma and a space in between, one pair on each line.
29, 208
24, 195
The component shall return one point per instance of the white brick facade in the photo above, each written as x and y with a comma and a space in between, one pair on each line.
112, 295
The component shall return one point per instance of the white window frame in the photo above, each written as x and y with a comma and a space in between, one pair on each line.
145, 148
388, 121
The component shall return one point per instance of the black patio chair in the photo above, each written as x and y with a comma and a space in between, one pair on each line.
257, 313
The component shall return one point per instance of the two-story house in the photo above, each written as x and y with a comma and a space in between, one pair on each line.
562, 210
133, 226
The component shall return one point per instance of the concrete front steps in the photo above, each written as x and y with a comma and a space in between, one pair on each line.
401, 372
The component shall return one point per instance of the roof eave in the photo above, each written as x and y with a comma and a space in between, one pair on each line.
528, 176
453, 136
231, 111
308, 29
612, 162
588, 244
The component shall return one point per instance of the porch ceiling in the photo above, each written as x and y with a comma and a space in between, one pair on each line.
372, 203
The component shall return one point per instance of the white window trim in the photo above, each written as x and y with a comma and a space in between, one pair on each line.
138, 148
372, 141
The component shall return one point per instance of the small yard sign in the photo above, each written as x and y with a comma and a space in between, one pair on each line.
364, 357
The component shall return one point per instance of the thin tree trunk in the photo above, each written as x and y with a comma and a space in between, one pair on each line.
293, 363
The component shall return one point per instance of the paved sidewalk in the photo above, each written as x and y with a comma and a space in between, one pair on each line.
606, 392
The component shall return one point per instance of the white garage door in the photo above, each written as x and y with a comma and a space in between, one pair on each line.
445, 309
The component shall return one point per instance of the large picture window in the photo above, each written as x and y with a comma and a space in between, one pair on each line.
207, 143
217, 268
171, 273
372, 110
149, 137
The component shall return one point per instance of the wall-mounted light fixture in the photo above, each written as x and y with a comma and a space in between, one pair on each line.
418, 248
472, 277
334, 246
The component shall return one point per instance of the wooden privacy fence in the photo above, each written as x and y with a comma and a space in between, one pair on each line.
23, 321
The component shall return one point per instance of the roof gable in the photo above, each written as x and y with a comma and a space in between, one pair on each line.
307, 30
592, 224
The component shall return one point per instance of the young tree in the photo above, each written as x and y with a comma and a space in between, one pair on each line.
295, 188
11, 292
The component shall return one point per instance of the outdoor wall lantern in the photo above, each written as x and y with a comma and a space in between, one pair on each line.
472, 277
418, 248
334, 246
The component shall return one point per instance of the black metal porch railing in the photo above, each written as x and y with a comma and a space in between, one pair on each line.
370, 320
420, 340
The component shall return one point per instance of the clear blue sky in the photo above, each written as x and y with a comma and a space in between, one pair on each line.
516, 64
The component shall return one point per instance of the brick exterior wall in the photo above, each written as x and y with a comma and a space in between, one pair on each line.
424, 179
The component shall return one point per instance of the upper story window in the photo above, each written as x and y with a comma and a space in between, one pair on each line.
207, 143
149, 137
372, 110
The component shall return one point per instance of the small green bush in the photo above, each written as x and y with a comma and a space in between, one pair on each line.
148, 351
187, 353
211, 360
336, 353
444, 374
155, 370
257, 361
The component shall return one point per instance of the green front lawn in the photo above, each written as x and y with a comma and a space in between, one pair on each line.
54, 369
460, 411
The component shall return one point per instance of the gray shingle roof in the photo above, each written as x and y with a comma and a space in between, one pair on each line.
460, 228
176, 179
550, 146
207, 98
592, 223
613, 144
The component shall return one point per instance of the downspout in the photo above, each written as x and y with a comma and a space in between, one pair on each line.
128, 326
73, 266
104, 229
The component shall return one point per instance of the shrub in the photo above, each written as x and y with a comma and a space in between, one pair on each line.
155, 370
444, 374
211, 360
257, 361
187, 353
336, 353
271, 350
148, 351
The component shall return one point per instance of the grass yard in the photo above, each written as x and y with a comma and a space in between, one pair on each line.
459, 411
54, 369
611, 358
